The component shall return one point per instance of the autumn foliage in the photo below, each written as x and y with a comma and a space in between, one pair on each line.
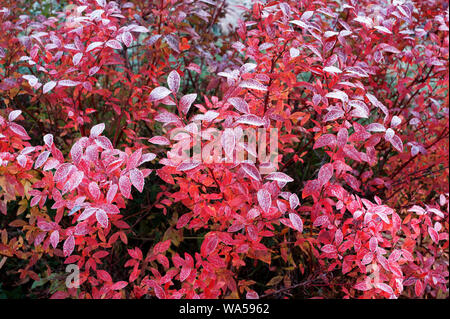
356, 205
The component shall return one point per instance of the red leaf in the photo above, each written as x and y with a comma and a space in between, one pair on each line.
325, 140
184, 273
119, 285
419, 288
104, 275
209, 245
183, 220
329, 249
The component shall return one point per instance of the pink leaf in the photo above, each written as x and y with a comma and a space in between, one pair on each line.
239, 104
250, 119
251, 171
69, 245
340, 95
54, 238
329, 249
167, 117
397, 143
77, 58
293, 201
94, 190
112, 191
325, 174
173, 81
433, 234
88, 212
363, 286
159, 93
419, 288
296, 221
342, 137
187, 166
228, 141
127, 38
325, 140
332, 69
96, 130
119, 285
159, 140
93, 46
134, 159
333, 114
264, 200
367, 259
114, 44
102, 217
125, 186
13, 115
186, 102
384, 287
41, 159
48, 140
253, 84
62, 172
251, 294
19, 130
93, 70
321, 220
137, 179
373, 244
279, 177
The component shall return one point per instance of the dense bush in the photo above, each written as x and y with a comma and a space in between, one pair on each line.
97, 98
